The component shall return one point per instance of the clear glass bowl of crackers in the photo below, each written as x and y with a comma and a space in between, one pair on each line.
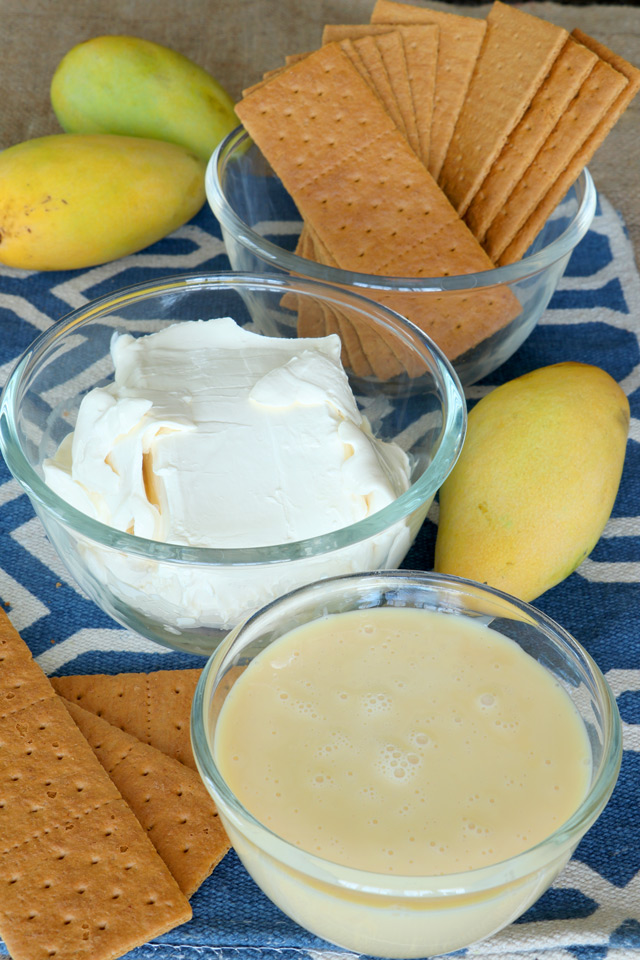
435, 161
188, 597
497, 309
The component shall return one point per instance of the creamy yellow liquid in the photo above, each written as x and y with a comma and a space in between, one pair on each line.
403, 741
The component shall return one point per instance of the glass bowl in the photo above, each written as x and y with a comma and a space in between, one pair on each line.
387, 915
260, 226
189, 597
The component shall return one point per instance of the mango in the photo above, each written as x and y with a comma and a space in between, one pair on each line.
536, 480
69, 201
130, 86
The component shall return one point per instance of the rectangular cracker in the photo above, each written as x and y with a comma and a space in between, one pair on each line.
523, 240
46, 773
459, 43
593, 101
517, 54
353, 357
153, 707
421, 52
391, 49
168, 799
378, 82
20, 684
79, 877
361, 188
92, 889
420, 46
371, 56
456, 321
356, 359
367, 351
353, 177
268, 74
565, 78
379, 354
312, 321
265, 79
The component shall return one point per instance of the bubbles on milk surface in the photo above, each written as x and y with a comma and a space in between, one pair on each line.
375, 702
402, 749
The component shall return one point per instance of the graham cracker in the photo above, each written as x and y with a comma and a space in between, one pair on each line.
365, 57
355, 358
295, 57
361, 188
266, 76
169, 800
371, 56
353, 176
91, 889
265, 79
420, 47
457, 321
311, 315
153, 707
593, 101
379, 357
391, 49
421, 52
459, 42
336, 322
79, 877
565, 78
523, 239
516, 56
322, 319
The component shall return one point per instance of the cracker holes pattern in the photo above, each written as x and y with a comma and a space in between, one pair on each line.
32, 704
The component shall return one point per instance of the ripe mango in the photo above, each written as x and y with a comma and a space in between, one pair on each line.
125, 85
70, 201
536, 480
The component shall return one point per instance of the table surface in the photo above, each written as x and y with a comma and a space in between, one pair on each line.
593, 911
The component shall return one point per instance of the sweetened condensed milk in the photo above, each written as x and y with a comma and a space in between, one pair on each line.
403, 742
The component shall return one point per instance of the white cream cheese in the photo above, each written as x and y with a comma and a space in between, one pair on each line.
213, 436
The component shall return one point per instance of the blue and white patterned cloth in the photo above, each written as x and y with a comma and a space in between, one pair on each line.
593, 909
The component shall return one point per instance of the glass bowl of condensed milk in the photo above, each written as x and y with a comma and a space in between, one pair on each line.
404, 761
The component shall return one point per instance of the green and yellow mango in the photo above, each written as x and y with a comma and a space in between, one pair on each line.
70, 201
536, 480
130, 86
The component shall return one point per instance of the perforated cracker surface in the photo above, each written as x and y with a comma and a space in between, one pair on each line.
78, 876
517, 54
459, 43
154, 707
169, 800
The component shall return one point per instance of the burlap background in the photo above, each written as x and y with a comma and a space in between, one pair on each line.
236, 40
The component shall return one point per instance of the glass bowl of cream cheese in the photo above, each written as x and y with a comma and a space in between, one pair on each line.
479, 319
404, 761
199, 445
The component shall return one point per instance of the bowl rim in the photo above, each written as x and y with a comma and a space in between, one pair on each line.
450, 441
271, 253
565, 837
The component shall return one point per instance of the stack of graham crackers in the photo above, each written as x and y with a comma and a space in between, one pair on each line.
428, 144
106, 829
